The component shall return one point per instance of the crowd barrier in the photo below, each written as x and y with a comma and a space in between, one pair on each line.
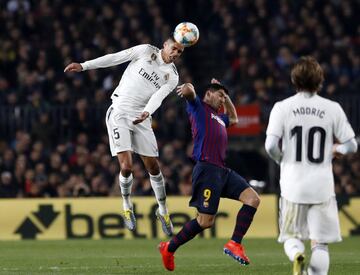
100, 218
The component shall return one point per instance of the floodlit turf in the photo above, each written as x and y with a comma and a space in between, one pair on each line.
200, 256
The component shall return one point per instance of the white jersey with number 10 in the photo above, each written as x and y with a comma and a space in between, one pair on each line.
307, 125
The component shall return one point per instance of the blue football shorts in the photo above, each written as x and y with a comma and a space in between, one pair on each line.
210, 183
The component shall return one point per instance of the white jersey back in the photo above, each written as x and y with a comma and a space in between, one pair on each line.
146, 81
307, 125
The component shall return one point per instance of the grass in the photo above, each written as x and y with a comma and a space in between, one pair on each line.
141, 257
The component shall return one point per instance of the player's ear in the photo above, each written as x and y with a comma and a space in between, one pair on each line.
166, 43
207, 94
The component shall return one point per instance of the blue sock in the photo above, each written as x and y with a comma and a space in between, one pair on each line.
243, 221
188, 232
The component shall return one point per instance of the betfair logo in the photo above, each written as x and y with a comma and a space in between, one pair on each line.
37, 222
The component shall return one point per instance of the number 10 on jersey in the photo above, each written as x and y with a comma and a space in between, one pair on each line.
297, 133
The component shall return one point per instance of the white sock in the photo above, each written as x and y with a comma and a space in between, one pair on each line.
320, 260
292, 247
125, 187
158, 185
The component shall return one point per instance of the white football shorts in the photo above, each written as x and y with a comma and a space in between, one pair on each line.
319, 222
125, 136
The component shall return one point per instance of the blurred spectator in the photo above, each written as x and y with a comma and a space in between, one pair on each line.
8, 188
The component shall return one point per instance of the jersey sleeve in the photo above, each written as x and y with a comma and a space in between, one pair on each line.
342, 128
276, 121
193, 105
157, 98
115, 58
226, 120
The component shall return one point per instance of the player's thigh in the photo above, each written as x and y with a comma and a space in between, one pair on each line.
119, 132
207, 185
293, 220
323, 220
234, 185
144, 141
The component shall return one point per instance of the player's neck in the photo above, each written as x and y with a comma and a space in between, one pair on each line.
306, 94
209, 104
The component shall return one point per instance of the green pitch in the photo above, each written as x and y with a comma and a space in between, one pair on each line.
201, 256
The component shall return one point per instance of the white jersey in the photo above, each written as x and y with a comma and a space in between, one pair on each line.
307, 125
145, 83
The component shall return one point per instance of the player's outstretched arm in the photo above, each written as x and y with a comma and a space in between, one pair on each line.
186, 90
73, 67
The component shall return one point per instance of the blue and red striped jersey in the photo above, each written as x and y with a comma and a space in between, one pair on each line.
208, 131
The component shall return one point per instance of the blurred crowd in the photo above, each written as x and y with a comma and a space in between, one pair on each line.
53, 140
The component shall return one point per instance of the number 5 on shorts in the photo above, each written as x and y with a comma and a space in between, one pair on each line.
116, 133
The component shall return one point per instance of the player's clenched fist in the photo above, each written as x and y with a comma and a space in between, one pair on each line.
73, 67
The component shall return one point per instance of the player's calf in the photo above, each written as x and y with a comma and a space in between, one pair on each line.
319, 261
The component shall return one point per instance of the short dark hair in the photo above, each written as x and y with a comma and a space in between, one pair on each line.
213, 87
307, 75
170, 38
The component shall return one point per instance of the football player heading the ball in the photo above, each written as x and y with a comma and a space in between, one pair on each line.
147, 80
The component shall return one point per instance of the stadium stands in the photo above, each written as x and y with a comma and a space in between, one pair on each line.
53, 140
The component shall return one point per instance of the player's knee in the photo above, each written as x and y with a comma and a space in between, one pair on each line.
206, 222
252, 199
255, 200
152, 167
126, 171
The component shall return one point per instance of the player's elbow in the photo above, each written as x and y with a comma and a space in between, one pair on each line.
354, 146
270, 150
233, 120
270, 147
350, 146
189, 94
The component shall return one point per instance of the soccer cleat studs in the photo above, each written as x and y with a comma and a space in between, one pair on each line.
236, 251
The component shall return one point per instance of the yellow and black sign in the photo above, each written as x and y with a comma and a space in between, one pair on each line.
100, 218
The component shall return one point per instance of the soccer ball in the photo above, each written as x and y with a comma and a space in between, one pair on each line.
186, 33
